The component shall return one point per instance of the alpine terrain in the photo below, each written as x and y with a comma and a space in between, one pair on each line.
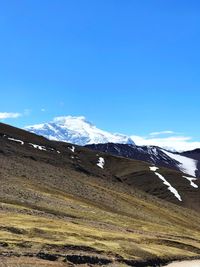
77, 130
67, 205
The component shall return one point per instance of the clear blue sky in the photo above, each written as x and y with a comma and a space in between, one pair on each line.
130, 66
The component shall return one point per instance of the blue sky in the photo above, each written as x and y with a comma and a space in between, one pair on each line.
129, 66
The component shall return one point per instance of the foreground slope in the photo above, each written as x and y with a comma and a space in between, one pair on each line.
70, 205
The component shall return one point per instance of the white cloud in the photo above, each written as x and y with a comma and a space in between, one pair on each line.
179, 143
9, 115
162, 132
43, 109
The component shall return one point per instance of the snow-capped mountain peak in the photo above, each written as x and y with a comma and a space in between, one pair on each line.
77, 130
74, 123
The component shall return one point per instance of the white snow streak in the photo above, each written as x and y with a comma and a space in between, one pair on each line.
38, 147
16, 140
153, 169
72, 148
191, 179
170, 187
101, 163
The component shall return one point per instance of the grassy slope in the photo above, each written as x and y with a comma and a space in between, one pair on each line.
86, 213
47, 204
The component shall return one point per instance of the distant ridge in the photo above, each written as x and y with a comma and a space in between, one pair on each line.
77, 130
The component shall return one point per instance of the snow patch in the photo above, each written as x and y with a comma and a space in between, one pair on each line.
72, 148
101, 163
170, 187
191, 179
154, 168
16, 140
38, 147
165, 182
186, 165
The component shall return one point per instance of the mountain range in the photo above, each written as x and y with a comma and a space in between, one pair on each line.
187, 162
77, 130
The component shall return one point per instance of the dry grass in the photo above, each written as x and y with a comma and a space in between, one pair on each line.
28, 262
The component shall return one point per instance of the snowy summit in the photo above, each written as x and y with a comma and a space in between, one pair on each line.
77, 130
